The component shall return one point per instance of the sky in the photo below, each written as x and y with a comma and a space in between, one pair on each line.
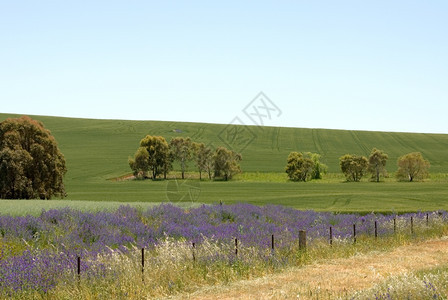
359, 65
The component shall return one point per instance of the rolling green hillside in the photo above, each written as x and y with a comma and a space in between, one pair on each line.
97, 150
100, 148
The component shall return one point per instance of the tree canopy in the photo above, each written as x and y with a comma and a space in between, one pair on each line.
31, 164
153, 155
319, 168
140, 163
377, 164
226, 163
299, 167
182, 150
353, 166
204, 159
412, 167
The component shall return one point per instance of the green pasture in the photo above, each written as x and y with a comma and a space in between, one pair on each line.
97, 151
100, 148
35, 207
326, 195
331, 194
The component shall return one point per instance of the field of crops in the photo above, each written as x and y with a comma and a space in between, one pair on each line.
97, 151
100, 148
326, 195
184, 248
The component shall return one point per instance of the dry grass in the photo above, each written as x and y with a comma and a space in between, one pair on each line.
321, 272
334, 278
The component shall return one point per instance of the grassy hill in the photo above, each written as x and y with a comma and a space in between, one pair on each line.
97, 150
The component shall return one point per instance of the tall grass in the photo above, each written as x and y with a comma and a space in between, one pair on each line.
170, 268
426, 284
35, 207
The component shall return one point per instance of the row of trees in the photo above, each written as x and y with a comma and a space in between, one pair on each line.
307, 166
355, 167
156, 157
411, 166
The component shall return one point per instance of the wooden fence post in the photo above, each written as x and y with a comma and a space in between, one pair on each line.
331, 236
412, 225
194, 257
78, 271
302, 240
143, 264
427, 219
272, 244
236, 247
395, 225
376, 230
354, 233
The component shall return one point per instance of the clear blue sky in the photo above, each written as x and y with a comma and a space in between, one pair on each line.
370, 65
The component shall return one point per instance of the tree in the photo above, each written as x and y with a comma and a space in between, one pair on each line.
318, 168
182, 150
299, 167
204, 159
353, 166
377, 164
157, 160
31, 164
226, 163
412, 166
140, 163
167, 164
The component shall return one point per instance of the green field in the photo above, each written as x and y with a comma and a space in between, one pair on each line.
97, 151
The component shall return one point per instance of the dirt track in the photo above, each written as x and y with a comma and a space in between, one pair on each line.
335, 277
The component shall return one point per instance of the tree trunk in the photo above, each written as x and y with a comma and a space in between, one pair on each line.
182, 166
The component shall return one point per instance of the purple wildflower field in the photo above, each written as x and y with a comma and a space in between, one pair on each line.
35, 251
